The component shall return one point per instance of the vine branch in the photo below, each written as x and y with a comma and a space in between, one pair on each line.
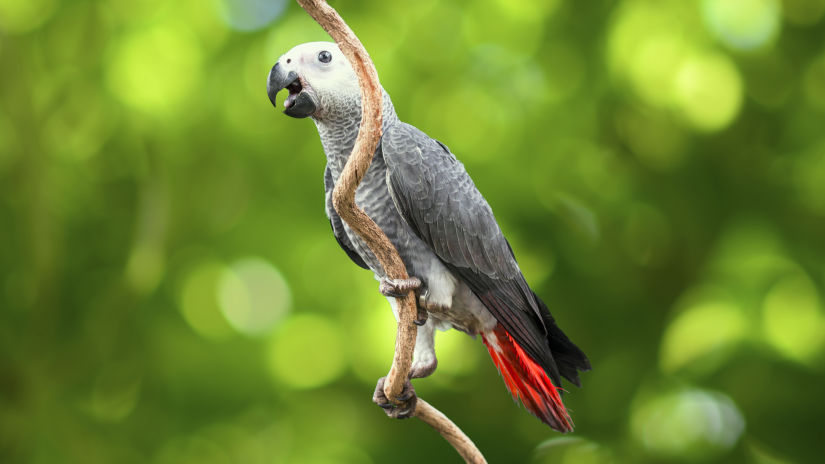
343, 200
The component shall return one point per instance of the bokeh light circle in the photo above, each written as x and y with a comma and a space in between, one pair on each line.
306, 352
690, 423
155, 69
253, 296
702, 331
571, 450
249, 15
793, 320
198, 301
743, 24
708, 91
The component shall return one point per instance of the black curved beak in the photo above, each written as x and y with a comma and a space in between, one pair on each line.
277, 81
298, 103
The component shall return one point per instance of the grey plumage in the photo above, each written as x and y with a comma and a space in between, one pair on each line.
435, 201
438, 200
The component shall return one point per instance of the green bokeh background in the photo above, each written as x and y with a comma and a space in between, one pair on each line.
170, 291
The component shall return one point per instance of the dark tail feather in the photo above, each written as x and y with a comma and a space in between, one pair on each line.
569, 358
527, 380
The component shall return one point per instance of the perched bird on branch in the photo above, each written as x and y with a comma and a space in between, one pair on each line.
463, 269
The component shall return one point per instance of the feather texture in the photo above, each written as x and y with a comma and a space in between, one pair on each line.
527, 380
439, 201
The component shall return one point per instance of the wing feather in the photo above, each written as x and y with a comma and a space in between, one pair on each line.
436, 197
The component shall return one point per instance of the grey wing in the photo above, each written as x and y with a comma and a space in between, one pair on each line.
434, 194
337, 224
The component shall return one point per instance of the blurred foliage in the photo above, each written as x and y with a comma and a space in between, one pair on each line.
170, 291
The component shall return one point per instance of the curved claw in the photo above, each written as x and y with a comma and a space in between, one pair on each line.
421, 316
407, 400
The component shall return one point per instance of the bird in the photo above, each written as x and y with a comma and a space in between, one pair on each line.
463, 270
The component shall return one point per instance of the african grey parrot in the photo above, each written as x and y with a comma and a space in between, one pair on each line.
465, 274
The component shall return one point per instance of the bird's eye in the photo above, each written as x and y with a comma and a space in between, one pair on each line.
324, 56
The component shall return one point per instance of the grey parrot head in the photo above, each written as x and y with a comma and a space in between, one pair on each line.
319, 80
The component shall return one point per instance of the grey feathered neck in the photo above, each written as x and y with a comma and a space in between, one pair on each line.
338, 128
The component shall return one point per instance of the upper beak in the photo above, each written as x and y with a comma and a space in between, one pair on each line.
299, 103
277, 81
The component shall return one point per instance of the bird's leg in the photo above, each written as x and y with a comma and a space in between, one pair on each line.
407, 400
398, 288
420, 316
424, 360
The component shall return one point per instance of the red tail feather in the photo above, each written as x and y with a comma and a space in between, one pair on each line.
527, 380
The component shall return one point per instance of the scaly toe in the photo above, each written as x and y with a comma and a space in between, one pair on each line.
378, 397
407, 393
398, 288
407, 399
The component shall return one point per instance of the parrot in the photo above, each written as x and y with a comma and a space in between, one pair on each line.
463, 271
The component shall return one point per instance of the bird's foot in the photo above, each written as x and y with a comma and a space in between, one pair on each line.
407, 400
398, 288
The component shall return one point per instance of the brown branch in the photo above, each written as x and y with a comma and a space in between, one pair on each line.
343, 199
447, 428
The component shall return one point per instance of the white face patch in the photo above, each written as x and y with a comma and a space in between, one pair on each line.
324, 72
